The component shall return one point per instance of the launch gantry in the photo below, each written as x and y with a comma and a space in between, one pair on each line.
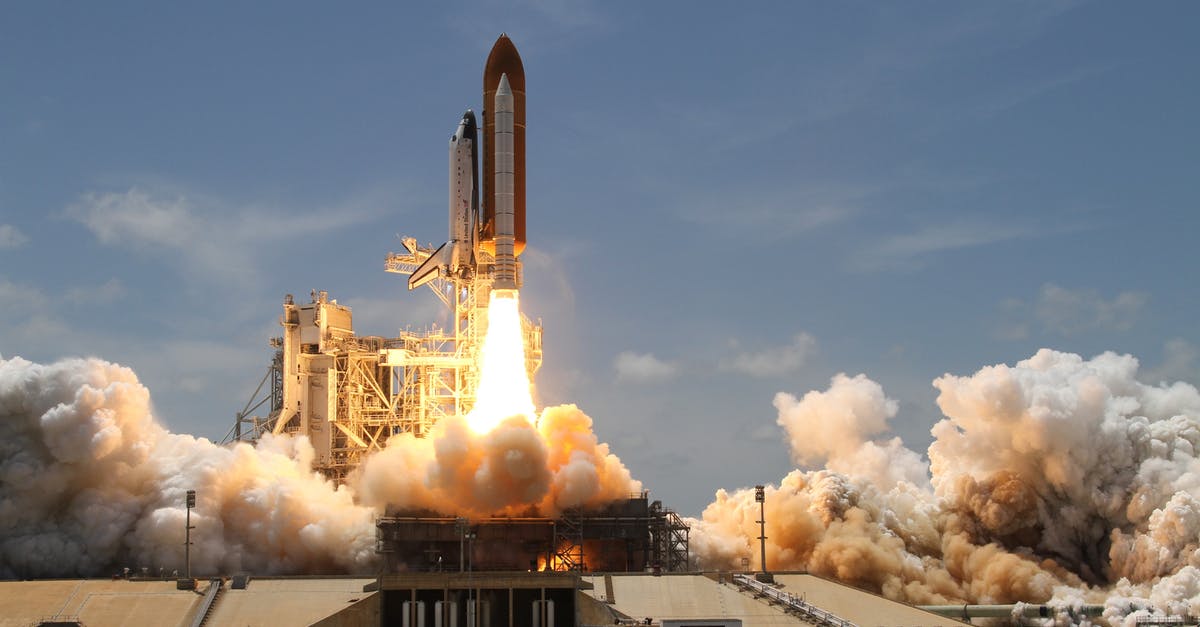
349, 394
444, 363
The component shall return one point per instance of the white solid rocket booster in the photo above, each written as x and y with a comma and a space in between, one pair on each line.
506, 261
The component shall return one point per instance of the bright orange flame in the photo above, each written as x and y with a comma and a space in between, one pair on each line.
503, 381
557, 563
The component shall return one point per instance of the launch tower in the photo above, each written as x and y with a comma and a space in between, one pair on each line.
349, 394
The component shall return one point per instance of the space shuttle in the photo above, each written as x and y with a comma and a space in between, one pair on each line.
456, 258
487, 215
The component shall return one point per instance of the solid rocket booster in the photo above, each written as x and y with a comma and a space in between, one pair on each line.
457, 256
503, 61
505, 272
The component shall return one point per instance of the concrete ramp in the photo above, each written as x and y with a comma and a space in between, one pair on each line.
96, 602
287, 601
685, 596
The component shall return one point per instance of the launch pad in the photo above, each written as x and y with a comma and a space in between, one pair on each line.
633, 535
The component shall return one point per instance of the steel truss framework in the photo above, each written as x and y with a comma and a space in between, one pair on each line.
374, 387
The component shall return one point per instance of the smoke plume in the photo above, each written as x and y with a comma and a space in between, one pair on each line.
514, 469
90, 482
1058, 480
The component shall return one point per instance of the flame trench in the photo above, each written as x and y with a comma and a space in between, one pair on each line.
504, 387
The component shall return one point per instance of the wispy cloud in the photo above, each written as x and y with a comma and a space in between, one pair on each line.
643, 368
1065, 311
1071, 311
773, 211
105, 293
201, 232
11, 237
774, 360
20, 298
1181, 362
908, 250
27, 319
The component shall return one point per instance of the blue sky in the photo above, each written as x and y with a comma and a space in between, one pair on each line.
724, 202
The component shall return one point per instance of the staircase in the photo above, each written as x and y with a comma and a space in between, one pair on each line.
215, 587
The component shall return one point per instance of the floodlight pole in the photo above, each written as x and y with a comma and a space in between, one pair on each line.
761, 498
190, 502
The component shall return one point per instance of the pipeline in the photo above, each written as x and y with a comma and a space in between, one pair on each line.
806, 610
1019, 610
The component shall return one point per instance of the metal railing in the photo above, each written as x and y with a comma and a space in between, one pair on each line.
207, 604
800, 606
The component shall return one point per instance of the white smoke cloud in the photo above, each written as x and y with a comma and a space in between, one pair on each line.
834, 427
643, 367
1059, 479
90, 482
776, 360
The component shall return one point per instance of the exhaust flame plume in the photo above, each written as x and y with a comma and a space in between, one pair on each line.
504, 389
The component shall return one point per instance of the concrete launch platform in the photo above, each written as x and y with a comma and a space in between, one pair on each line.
505, 598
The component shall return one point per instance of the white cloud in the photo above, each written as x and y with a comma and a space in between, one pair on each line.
781, 211
643, 367
908, 249
11, 237
18, 297
1066, 311
103, 294
1180, 363
27, 319
203, 233
775, 360
133, 217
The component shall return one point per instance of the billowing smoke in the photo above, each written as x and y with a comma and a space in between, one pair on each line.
1058, 480
91, 483
514, 469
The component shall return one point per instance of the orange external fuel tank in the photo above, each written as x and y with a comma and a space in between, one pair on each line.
503, 60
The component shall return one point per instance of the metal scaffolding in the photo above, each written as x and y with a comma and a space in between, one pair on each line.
349, 394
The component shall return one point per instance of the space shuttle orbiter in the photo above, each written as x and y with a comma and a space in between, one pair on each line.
487, 213
457, 256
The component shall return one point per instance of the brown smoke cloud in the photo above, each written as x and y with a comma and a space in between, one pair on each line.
1059, 479
91, 483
